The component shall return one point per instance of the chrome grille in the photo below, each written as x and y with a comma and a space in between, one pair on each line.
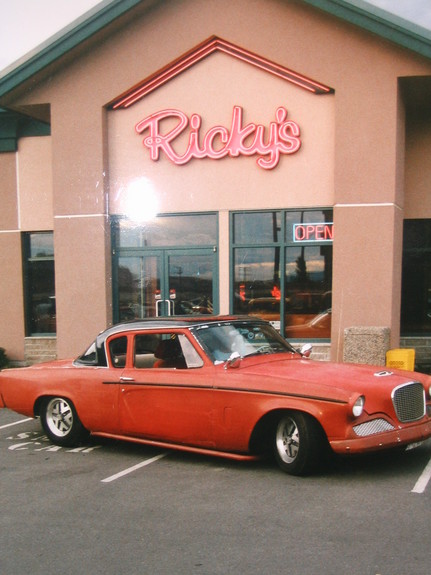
409, 401
372, 427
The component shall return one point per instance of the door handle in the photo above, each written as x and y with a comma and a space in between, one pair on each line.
170, 306
127, 379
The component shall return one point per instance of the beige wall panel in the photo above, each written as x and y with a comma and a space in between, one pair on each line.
35, 184
11, 308
83, 293
78, 158
8, 192
212, 88
367, 271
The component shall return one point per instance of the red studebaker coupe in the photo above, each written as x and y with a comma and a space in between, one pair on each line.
226, 386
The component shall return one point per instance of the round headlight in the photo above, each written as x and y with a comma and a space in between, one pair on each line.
358, 406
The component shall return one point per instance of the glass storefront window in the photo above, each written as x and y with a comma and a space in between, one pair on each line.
282, 269
308, 281
256, 227
416, 278
165, 231
256, 272
39, 283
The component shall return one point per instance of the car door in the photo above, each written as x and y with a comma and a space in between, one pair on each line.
167, 397
97, 387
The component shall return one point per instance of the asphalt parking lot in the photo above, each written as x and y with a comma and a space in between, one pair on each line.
117, 508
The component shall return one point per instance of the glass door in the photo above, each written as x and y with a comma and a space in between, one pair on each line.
166, 282
189, 286
139, 286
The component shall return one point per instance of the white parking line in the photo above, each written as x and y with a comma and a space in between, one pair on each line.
423, 480
16, 423
134, 468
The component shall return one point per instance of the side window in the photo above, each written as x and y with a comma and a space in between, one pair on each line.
193, 359
118, 351
165, 350
145, 346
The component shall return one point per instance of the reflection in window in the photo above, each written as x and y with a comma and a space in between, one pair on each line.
256, 227
39, 283
416, 278
281, 279
138, 282
165, 231
308, 280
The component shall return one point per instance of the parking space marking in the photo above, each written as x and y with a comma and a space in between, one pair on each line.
134, 468
423, 480
16, 422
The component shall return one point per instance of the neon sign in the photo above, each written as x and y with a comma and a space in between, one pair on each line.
319, 232
218, 142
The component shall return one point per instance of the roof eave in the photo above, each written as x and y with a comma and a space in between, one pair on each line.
61, 43
380, 22
357, 12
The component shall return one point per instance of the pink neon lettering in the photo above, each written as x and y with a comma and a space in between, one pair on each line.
329, 232
314, 232
218, 142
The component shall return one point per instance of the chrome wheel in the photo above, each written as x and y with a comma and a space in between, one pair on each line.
299, 443
287, 440
59, 417
61, 422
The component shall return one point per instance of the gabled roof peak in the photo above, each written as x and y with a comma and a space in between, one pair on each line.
203, 50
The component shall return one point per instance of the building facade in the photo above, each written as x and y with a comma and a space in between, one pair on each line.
197, 157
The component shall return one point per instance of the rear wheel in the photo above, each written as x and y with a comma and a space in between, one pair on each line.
61, 422
298, 443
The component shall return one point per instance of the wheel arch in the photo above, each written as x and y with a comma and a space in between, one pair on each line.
42, 398
261, 435
38, 403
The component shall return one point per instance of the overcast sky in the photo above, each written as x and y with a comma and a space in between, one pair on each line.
25, 24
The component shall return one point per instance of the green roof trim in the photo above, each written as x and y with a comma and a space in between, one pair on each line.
64, 41
357, 12
380, 22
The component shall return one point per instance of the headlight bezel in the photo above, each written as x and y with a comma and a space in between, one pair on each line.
358, 406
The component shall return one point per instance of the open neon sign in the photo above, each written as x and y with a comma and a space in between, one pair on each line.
319, 232
283, 137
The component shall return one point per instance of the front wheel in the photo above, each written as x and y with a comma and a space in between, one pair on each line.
298, 443
61, 422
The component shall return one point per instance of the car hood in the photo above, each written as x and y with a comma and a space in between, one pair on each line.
344, 377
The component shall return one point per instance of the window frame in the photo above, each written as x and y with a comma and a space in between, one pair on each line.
410, 254
28, 289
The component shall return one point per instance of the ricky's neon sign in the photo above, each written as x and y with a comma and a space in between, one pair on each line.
281, 138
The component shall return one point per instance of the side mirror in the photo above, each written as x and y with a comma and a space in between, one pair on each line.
234, 360
306, 350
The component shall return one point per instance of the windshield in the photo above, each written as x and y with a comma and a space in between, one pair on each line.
245, 338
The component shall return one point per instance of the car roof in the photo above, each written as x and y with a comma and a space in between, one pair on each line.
170, 322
